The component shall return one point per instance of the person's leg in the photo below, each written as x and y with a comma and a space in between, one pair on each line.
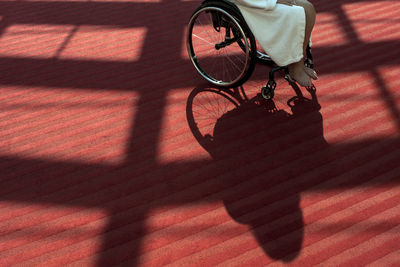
310, 20
297, 70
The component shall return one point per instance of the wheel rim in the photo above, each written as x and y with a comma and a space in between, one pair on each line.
221, 66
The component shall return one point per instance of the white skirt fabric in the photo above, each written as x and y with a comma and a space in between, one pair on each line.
279, 31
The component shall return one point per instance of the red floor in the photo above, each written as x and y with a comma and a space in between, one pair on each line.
101, 166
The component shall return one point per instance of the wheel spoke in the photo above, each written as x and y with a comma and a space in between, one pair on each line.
203, 40
228, 64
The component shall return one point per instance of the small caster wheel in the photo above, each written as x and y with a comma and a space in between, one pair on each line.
268, 91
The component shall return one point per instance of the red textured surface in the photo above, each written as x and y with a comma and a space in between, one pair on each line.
99, 165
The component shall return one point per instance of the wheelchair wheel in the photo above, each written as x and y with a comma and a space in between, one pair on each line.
218, 45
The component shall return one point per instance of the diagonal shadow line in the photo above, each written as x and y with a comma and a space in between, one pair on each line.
66, 41
107, 75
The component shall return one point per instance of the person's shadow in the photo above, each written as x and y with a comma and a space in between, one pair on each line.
263, 146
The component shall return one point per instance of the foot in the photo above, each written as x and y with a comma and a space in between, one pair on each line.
298, 72
310, 72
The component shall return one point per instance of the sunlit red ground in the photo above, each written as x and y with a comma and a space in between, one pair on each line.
99, 165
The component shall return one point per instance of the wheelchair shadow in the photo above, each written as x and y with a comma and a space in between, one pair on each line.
264, 192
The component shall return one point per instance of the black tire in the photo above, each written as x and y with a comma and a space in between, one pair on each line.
241, 63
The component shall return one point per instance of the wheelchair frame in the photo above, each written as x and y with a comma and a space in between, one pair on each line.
226, 15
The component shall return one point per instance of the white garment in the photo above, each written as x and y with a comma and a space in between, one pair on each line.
278, 28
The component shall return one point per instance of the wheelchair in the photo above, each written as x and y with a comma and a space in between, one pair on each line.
223, 49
